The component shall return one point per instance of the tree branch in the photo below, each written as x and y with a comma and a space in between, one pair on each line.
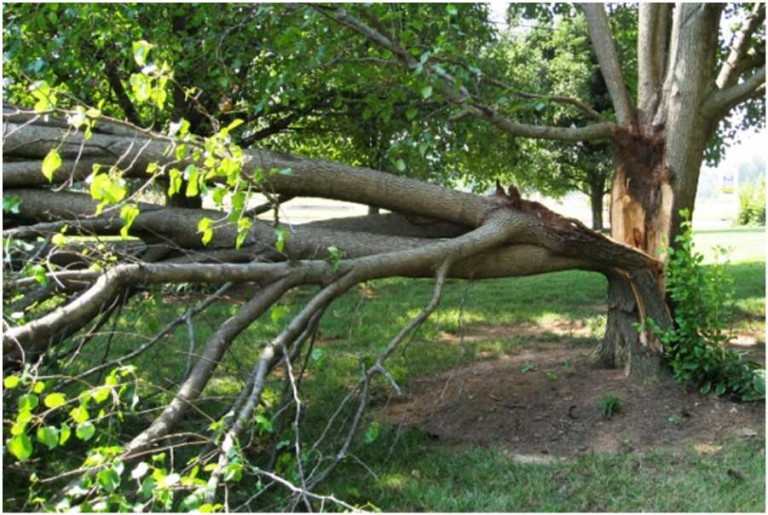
653, 27
559, 99
607, 57
732, 66
721, 101
461, 97
122, 97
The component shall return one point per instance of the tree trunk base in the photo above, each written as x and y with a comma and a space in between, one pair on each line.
625, 344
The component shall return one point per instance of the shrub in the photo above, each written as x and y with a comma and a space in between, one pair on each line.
703, 306
752, 204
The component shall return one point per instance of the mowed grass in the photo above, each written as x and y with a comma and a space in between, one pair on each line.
405, 470
423, 476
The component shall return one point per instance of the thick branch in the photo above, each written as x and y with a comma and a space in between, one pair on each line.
608, 58
722, 101
313, 178
653, 28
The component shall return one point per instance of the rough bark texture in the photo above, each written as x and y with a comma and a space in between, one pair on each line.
659, 147
535, 240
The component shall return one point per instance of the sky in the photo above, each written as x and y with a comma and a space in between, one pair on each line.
751, 144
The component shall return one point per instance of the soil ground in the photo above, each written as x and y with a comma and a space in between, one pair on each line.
548, 403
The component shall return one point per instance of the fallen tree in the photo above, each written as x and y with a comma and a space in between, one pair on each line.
431, 231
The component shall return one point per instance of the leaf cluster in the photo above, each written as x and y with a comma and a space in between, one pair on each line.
695, 347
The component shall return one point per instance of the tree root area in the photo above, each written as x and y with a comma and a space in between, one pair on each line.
549, 403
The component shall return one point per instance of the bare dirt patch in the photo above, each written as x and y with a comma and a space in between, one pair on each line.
549, 402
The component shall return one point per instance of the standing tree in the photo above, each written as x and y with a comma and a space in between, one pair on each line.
84, 238
690, 80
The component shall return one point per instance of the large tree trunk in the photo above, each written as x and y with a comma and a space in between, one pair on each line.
641, 193
658, 156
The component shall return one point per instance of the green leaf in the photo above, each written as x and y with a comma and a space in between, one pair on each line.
758, 382
11, 204
128, 213
21, 447
426, 91
192, 502
233, 472
28, 402
141, 51
159, 95
44, 95
65, 433
104, 188
372, 434
85, 431
205, 226
264, 423
59, 240
218, 196
48, 436
40, 275
141, 85
147, 488
79, 414
234, 125
11, 382
54, 400
243, 228
720, 389
51, 163
20, 425
175, 182
282, 235
109, 479
400, 165
101, 393
192, 175
451, 10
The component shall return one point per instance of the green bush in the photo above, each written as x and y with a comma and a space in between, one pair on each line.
703, 306
752, 204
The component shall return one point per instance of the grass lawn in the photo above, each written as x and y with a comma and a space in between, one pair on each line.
403, 469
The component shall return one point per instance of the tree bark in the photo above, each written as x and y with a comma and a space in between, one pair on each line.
532, 238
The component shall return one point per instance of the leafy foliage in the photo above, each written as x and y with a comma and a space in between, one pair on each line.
695, 347
752, 204
81, 429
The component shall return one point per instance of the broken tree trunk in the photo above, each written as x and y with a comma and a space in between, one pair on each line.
431, 231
